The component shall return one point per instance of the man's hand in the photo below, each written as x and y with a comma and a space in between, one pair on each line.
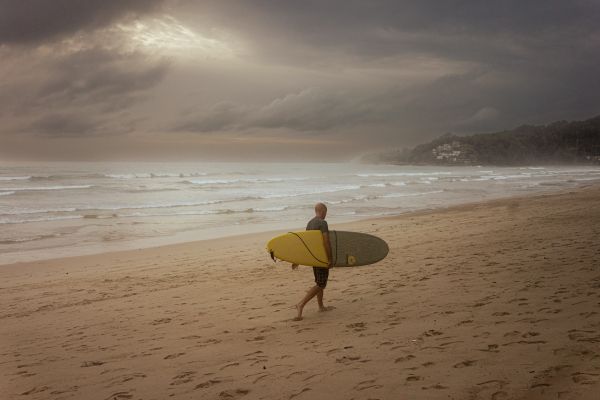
327, 248
294, 266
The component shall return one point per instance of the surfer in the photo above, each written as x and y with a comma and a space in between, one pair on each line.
318, 223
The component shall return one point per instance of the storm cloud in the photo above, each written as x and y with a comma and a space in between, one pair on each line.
35, 21
373, 73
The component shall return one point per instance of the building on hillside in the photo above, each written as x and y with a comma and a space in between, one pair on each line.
454, 152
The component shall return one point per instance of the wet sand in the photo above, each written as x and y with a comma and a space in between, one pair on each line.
494, 300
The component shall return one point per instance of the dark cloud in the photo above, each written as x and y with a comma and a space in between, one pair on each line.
388, 72
221, 116
84, 91
310, 110
63, 125
97, 76
370, 29
78, 124
507, 63
34, 21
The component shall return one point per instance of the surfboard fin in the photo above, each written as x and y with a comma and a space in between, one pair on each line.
273, 256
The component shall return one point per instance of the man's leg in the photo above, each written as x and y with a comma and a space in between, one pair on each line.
320, 299
315, 290
322, 307
321, 277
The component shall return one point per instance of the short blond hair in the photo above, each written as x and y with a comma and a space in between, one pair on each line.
319, 206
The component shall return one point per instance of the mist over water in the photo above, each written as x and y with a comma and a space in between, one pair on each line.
58, 209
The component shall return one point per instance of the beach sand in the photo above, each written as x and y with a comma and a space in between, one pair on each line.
493, 300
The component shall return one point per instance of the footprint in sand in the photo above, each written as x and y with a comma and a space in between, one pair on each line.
431, 332
69, 390
584, 336
436, 386
492, 348
347, 359
296, 373
86, 364
35, 390
119, 396
207, 384
259, 378
184, 377
463, 364
500, 313
234, 364
130, 377
404, 359
585, 378
357, 326
370, 384
306, 389
493, 386
174, 355
161, 321
540, 385
233, 394
500, 395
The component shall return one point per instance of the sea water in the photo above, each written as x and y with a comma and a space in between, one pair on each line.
61, 209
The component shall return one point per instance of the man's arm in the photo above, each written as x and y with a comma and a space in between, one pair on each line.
327, 247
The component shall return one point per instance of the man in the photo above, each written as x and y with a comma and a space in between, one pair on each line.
321, 273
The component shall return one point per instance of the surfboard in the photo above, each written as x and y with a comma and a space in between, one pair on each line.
348, 249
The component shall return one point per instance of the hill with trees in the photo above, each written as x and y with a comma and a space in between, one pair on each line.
562, 142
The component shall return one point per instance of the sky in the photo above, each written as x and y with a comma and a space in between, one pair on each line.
277, 80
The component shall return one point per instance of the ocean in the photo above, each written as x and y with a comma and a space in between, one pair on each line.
61, 209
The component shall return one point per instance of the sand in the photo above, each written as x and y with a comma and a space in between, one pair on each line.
493, 300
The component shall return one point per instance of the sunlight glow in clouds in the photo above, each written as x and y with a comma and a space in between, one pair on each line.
167, 34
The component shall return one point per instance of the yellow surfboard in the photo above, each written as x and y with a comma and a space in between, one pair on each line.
348, 249
304, 248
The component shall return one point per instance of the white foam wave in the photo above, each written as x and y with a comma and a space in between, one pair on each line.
149, 206
269, 209
67, 187
144, 175
6, 193
47, 219
307, 193
127, 207
206, 212
41, 211
202, 182
391, 195
127, 176
403, 174
174, 214
211, 181
14, 178
357, 198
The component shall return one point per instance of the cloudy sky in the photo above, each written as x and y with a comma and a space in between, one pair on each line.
285, 79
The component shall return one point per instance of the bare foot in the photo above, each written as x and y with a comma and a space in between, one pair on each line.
328, 308
299, 316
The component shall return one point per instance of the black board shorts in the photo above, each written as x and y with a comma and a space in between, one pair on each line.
321, 275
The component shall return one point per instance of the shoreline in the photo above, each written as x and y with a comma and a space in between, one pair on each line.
153, 243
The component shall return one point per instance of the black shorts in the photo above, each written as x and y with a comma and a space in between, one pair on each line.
321, 275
